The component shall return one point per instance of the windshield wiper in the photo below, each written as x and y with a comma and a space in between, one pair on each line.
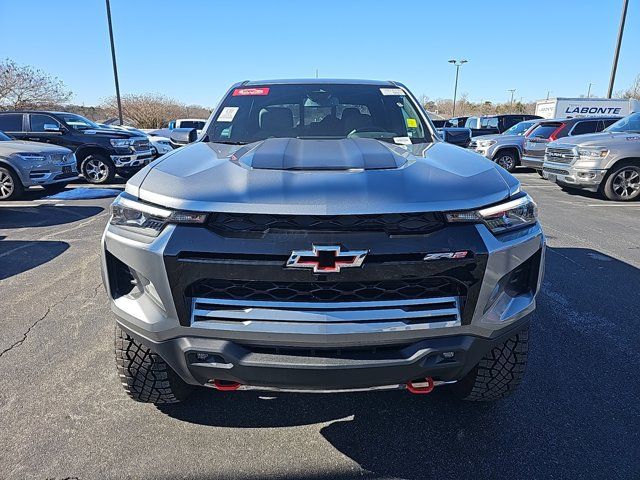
229, 143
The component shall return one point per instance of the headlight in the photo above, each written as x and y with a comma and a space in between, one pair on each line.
121, 142
130, 214
29, 157
593, 152
486, 143
500, 218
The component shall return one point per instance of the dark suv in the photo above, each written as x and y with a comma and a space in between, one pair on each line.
547, 131
100, 152
495, 123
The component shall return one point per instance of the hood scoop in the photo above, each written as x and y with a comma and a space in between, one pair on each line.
343, 154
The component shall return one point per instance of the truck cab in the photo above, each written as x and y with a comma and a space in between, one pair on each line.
488, 125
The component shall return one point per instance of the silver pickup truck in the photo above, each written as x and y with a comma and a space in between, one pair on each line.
606, 162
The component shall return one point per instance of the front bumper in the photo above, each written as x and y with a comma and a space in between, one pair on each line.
320, 346
47, 172
138, 159
573, 176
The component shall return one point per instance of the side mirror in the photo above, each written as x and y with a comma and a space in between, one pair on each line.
457, 136
183, 136
51, 127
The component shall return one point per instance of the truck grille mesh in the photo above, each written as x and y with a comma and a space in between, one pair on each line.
325, 291
241, 224
560, 155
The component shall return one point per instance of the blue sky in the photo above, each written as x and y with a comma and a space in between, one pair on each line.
193, 50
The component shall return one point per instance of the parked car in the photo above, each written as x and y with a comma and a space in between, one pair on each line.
606, 162
197, 123
28, 164
492, 124
504, 148
319, 236
536, 139
100, 153
161, 145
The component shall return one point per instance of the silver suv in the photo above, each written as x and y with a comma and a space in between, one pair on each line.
608, 162
27, 164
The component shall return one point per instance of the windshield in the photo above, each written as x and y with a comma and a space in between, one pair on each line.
4, 138
77, 122
318, 112
519, 128
626, 124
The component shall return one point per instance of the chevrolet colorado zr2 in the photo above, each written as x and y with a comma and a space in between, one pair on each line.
319, 236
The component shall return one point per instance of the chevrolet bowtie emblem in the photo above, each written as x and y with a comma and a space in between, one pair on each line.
326, 259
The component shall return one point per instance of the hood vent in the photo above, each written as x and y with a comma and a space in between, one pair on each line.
343, 154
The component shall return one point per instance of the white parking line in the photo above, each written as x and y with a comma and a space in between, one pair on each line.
613, 205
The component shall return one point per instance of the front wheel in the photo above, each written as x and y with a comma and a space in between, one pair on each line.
623, 183
97, 168
145, 376
507, 160
498, 373
11, 187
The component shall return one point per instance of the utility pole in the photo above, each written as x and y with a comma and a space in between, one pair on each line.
614, 67
548, 92
589, 90
457, 64
512, 90
113, 59
316, 73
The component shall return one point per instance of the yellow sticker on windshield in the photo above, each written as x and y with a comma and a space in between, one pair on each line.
412, 123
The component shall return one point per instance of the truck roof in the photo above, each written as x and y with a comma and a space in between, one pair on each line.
318, 81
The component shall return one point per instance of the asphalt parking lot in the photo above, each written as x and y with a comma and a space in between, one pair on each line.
63, 413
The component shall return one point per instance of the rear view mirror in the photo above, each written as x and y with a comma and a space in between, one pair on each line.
51, 127
183, 136
457, 136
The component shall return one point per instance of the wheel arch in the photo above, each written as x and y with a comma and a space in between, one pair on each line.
511, 148
84, 151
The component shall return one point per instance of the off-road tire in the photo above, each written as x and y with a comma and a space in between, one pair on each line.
12, 187
613, 192
144, 374
97, 169
498, 373
55, 187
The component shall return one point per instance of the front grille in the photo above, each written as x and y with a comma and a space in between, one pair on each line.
560, 155
556, 171
242, 224
325, 291
141, 145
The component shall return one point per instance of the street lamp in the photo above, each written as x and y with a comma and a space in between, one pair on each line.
458, 64
113, 59
616, 53
512, 90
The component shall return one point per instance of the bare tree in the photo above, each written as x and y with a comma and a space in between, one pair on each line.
152, 110
633, 91
28, 87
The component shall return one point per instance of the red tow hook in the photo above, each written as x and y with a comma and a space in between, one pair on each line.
421, 387
225, 386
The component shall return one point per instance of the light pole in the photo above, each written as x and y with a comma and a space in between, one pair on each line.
512, 90
458, 64
589, 90
113, 59
616, 54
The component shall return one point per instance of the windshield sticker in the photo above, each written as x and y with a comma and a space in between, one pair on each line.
247, 92
402, 140
392, 91
412, 123
227, 114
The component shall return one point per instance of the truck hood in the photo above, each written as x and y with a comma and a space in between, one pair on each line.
110, 133
291, 177
597, 139
16, 146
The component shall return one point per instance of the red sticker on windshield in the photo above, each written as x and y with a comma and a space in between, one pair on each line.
243, 92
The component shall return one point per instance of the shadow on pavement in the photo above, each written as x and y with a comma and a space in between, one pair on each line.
44, 215
576, 413
19, 256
